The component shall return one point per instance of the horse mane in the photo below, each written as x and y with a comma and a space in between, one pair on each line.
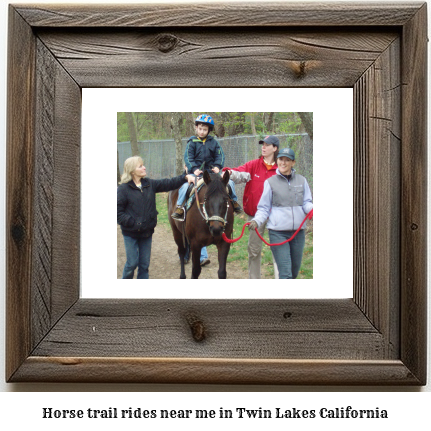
216, 186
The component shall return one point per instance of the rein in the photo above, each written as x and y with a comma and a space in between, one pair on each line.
198, 204
230, 241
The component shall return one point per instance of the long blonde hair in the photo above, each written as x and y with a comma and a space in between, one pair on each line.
130, 165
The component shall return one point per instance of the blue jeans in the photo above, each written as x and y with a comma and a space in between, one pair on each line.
288, 256
204, 253
182, 194
232, 186
183, 190
138, 253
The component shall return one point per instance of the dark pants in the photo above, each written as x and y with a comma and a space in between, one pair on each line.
288, 256
138, 253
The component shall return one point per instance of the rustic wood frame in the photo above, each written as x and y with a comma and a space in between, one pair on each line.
378, 337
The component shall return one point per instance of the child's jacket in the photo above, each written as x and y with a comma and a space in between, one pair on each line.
198, 152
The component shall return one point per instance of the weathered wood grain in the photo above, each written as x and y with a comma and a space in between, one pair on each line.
215, 371
43, 194
378, 338
242, 329
271, 58
66, 208
377, 174
414, 193
57, 194
221, 15
19, 195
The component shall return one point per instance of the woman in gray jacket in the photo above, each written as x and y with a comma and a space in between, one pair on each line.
285, 201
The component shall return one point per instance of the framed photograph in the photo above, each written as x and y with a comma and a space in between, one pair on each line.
378, 336
332, 128
164, 140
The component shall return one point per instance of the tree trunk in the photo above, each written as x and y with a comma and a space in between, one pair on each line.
253, 123
267, 120
132, 133
307, 122
237, 123
176, 121
219, 128
190, 123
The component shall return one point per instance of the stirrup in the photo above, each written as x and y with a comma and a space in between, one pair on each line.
178, 214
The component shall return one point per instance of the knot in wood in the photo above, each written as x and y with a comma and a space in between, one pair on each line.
166, 42
414, 226
299, 68
18, 233
302, 68
197, 328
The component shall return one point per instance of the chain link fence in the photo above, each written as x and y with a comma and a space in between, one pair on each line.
159, 155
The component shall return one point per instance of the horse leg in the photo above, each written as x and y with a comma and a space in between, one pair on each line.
182, 253
223, 251
178, 235
196, 260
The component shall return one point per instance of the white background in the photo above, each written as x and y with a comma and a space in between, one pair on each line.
332, 162
408, 407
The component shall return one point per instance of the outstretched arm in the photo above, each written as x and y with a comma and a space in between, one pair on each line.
168, 184
238, 177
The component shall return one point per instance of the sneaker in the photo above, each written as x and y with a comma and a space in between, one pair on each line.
206, 261
237, 208
178, 214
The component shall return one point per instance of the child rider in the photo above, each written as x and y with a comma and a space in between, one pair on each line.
203, 151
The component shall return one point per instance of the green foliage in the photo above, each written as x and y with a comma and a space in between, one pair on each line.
306, 270
122, 130
157, 125
162, 208
290, 122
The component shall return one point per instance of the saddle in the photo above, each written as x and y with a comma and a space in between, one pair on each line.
190, 194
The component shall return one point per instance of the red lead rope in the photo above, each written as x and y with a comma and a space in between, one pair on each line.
308, 216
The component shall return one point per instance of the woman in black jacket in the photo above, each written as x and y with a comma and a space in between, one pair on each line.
137, 213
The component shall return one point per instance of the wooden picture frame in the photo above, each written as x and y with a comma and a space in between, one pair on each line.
378, 337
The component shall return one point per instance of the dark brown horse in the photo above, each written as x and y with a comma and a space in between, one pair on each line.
204, 225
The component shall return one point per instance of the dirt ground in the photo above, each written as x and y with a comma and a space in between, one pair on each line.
165, 263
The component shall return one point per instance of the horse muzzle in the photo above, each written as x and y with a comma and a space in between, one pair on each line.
216, 228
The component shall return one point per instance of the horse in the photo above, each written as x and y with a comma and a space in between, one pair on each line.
205, 223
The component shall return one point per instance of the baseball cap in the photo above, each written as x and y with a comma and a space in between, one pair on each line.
287, 152
271, 140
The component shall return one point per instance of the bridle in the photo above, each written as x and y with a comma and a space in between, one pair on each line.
204, 213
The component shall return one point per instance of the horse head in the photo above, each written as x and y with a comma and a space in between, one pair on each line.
216, 202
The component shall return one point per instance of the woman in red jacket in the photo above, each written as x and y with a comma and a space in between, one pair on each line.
254, 173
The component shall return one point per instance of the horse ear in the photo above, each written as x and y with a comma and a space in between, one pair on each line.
226, 177
207, 177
